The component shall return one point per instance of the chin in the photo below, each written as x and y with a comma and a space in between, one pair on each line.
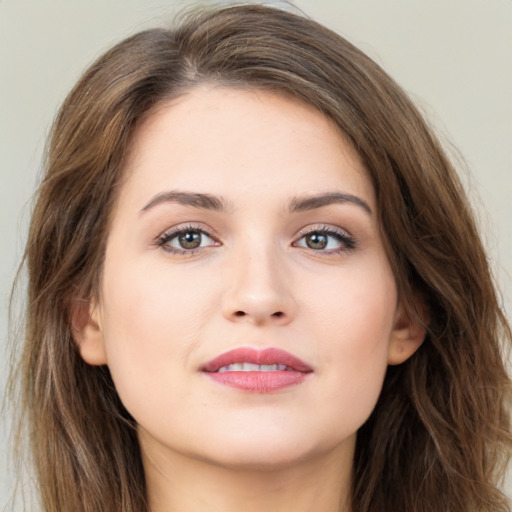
260, 460
269, 452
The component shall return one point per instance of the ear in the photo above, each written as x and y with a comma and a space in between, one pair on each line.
87, 332
407, 335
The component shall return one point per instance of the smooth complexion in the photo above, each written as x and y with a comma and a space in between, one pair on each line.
246, 221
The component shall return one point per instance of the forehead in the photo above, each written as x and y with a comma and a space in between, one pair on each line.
222, 140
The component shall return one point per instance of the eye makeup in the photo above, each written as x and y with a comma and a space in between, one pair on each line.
326, 239
185, 240
191, 238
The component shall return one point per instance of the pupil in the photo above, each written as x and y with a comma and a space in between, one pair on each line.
190, 239
316, 241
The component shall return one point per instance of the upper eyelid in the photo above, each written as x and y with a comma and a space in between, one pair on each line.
324, 228
197, 226
212, 233
163, 240
344, 237
170, 234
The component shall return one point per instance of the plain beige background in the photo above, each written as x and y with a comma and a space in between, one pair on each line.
453, 56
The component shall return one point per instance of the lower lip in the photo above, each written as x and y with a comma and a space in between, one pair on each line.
259, 382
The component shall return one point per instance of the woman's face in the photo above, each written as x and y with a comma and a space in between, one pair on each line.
245, 232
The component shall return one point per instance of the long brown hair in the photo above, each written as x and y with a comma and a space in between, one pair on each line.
439, 437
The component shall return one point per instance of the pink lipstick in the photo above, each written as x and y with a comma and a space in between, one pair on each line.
257, 371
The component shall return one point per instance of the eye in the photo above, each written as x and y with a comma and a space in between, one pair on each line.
326, 239
185, 240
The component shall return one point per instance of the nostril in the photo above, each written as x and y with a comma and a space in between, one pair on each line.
278, 314
240, 313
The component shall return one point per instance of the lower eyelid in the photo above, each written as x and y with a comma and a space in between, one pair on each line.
169, 235
345, 240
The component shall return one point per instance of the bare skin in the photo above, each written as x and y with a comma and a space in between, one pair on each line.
314, 485
246, 221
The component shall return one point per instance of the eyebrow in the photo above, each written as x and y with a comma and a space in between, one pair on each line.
211, 202
301, 204
195, 199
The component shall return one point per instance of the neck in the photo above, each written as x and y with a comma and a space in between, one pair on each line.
178, 483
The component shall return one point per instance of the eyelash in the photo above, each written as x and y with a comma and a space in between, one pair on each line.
347, 241
167, 236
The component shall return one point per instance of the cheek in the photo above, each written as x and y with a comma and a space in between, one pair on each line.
155, 301
151, 324
356, 306
354, 319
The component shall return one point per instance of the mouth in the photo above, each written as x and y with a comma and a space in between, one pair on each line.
252, 367
257, 371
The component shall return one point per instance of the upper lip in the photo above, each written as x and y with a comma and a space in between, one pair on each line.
265, 356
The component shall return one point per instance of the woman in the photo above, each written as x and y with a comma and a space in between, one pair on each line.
255, 282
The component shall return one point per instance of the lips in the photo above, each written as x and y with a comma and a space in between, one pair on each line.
259, 371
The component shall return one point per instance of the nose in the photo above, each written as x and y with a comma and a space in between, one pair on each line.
259, 290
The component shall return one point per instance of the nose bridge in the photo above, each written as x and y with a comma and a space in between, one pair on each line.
259, 288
